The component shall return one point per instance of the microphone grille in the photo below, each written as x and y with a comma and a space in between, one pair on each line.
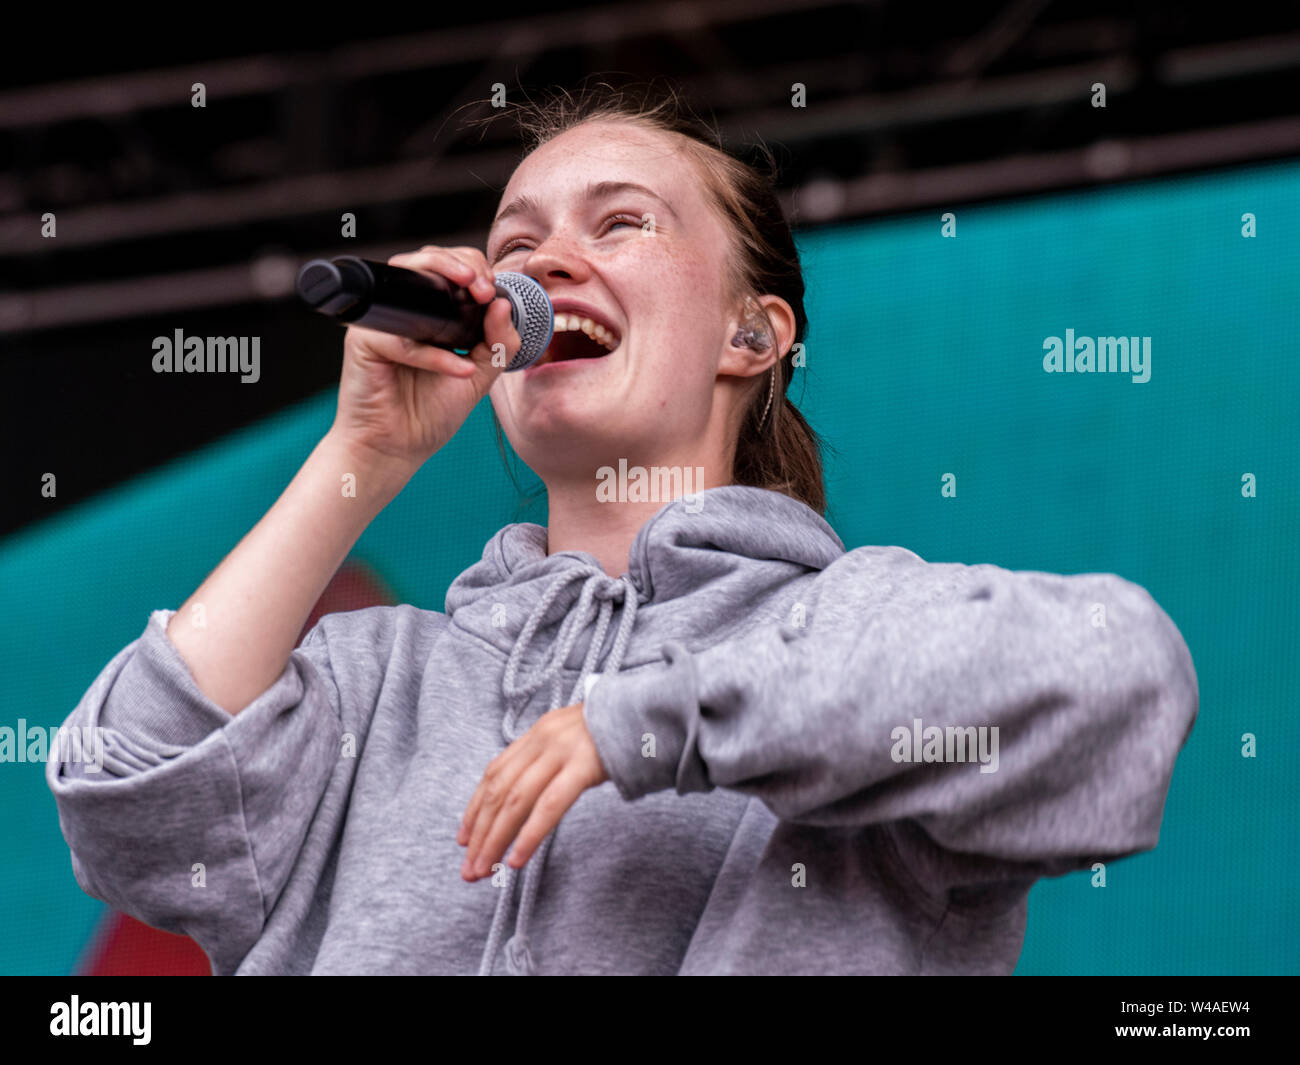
531, 314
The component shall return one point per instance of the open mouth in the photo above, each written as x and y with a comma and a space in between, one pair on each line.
576, 337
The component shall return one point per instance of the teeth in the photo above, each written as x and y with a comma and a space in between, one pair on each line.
571, 323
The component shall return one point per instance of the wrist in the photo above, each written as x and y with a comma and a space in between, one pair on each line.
375, 476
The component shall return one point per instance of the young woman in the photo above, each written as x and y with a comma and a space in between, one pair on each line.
793, 758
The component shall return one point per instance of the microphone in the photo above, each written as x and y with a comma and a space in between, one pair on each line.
423, 307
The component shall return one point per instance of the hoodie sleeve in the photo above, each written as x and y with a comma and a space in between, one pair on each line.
194, 820
1081, 687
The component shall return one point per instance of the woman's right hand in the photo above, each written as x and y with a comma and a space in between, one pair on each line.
402, 399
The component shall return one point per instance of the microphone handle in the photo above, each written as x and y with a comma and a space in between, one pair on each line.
432, 310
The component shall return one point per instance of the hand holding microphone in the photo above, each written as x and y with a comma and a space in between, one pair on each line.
423, 306
404, 392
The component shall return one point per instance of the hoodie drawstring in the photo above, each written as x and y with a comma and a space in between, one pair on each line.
605, 590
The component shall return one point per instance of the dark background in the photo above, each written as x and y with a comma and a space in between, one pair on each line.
171, 216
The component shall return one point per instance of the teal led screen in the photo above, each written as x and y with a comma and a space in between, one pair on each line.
925, 368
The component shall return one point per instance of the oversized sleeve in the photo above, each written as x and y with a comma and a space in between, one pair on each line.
191, 819
1017, 717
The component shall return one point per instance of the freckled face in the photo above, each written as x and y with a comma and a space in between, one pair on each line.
661, 286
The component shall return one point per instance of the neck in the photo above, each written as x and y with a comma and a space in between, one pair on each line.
600, 509
602, 514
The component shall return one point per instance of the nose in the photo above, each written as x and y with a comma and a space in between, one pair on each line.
556, 258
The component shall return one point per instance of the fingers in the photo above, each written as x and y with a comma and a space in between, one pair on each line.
498, 825
465, 266
510, 784
412, 353
501, 341
468, 267
561, 793
527, 789
501, 768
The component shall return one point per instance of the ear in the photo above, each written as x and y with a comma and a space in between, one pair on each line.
773, 316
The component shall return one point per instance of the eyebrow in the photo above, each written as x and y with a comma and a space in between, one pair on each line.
595, 191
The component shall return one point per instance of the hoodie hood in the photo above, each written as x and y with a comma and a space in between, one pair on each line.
734, 543
699, 568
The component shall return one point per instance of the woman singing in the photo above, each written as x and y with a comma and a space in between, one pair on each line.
662, 735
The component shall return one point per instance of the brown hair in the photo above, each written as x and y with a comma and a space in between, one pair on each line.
783, 453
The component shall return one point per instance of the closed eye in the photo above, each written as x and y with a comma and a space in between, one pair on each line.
620, 219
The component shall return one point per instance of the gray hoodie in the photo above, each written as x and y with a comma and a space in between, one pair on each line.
820, 761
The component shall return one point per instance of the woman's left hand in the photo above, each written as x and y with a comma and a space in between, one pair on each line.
532, 783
